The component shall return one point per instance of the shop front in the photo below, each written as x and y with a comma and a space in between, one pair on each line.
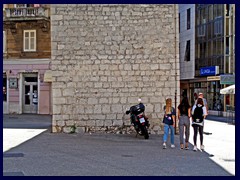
24, 89
214, 98
227, 80
210, 87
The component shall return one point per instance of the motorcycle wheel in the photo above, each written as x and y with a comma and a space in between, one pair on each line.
145, 132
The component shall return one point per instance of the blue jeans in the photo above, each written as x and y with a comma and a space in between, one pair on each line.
166, 132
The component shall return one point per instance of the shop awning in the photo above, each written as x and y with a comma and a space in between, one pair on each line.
228, 90
48, 76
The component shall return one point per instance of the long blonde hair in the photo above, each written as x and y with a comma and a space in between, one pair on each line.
168, 106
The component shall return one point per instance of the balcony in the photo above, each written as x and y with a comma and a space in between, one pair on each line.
26, 13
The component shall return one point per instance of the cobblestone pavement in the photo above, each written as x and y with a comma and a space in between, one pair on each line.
29, 149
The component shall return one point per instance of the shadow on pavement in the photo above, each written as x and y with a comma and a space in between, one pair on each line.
101, 154
27, 121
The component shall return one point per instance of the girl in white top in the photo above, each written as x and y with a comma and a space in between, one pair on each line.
198, 126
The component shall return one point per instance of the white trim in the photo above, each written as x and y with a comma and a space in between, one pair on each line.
7, 111
29, 40
38, 89
20, 85
27, 61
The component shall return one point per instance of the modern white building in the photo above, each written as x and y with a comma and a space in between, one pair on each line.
186, 45
207, 52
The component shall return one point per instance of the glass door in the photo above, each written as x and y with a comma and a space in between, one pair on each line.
30, 94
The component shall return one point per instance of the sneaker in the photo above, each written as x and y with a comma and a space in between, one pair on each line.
195, 148
202, 147
164, 146
172, 146
186, 148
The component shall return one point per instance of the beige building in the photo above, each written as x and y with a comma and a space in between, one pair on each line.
26, 59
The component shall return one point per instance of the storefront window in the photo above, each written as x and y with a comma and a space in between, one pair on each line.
214, 98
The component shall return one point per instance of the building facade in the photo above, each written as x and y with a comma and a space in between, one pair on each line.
105, 57
213, 60
26, 59
187, 48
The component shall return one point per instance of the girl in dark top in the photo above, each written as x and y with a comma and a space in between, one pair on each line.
184, 114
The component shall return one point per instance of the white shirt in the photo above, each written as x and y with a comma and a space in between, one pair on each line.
204, 113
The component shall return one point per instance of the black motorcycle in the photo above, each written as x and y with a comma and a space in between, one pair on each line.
139, 120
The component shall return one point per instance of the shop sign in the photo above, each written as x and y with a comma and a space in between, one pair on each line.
209, 71
227, 79
213, 78
13, 83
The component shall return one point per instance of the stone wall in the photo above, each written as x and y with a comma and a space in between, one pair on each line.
105, 57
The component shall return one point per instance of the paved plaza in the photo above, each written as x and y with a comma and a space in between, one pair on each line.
30, 149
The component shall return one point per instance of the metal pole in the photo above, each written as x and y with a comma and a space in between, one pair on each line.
175, 98
176, 112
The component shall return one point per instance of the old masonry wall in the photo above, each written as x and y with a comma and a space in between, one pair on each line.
105, 57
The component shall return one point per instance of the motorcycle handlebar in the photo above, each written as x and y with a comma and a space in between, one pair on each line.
127, 112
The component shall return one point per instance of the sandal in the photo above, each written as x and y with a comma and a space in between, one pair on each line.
181, 146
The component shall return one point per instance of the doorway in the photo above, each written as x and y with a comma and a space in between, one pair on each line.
30, 93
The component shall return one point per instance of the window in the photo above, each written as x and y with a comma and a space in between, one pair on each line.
227, 9
29, 40
197, 84
187, 51
201, 30
188, 18
25, 5
179, 20
4, 42
20, 5
203, 50
210, 12
218, 26
227, 45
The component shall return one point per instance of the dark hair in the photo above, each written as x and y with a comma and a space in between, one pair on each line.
195, 96
200, 101
184, 105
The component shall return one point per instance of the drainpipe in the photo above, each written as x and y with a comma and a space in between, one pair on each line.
175, 39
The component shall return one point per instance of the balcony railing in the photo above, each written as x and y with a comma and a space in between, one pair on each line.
26, 12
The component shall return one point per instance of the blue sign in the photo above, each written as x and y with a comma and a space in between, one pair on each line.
209, 71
